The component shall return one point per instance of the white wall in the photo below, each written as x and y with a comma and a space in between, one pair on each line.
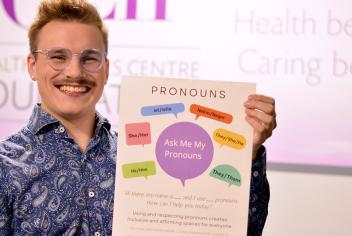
309, 204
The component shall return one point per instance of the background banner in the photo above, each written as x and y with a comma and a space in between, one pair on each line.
296, 51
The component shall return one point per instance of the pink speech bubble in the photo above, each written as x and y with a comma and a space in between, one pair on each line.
138, 133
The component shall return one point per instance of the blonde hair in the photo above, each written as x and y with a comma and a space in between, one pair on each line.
65, 10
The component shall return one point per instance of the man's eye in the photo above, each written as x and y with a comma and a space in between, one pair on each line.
89, 60
58, 57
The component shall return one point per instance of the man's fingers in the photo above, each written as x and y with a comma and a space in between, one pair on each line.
261, 102
262, 98
262, 106
261, 117
257, 126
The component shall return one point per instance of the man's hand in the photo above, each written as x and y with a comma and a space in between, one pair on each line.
261, 115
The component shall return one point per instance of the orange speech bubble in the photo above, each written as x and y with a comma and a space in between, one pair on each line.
210, 113
138, 133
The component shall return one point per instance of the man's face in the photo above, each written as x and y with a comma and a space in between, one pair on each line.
73, 92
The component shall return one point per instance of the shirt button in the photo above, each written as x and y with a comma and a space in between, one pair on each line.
92, 194
254, 209
28, 147
62, 129
255, 173
97, 233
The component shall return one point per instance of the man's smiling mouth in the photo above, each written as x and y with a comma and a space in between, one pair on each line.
73, 89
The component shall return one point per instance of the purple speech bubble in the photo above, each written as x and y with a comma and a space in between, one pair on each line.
184, 150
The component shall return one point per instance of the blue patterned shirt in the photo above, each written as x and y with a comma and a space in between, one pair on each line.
48, 186
259, 195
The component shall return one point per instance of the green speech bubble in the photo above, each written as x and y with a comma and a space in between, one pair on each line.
227, 174
138, 169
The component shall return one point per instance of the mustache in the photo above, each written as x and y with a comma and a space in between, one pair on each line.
78, 81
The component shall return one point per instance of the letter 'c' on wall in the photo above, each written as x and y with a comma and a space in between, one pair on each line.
9, 6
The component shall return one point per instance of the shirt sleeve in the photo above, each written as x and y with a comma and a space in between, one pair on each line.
259, 195
5, 210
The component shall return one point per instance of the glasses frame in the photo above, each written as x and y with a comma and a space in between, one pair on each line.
46, 53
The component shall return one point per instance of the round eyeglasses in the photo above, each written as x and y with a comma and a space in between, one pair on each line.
90, 60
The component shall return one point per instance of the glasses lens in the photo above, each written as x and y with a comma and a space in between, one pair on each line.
91, 59
58, 58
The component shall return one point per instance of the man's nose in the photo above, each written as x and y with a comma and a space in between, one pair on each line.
74, 68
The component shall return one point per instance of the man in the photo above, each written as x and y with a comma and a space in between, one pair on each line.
57, 173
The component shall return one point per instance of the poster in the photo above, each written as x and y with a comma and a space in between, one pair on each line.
184, 158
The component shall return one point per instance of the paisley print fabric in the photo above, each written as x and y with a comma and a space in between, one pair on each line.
259, 195
49, 187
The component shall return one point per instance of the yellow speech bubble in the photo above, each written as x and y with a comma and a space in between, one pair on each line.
228, 138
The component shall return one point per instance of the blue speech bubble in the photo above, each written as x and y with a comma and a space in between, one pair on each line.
154, 110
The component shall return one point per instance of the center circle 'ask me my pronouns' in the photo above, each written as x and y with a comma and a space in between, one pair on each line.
184, 150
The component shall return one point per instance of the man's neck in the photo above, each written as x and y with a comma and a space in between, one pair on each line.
81, 129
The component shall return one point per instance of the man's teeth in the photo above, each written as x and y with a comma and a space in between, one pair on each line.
73, 89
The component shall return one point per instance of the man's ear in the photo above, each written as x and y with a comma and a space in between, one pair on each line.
31, 66
107, 63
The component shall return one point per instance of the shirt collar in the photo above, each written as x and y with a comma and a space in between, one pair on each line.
41, 119
101, 122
